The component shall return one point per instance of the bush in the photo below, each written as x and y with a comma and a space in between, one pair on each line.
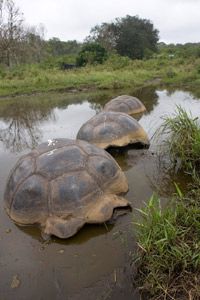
2, 72
116, 62
91, 54
170, 73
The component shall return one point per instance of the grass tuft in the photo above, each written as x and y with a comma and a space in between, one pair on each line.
182, 140
168, 258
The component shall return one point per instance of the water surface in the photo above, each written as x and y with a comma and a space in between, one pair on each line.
95, 264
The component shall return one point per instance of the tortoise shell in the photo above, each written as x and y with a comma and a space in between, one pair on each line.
63, 184
126, 104
113, 129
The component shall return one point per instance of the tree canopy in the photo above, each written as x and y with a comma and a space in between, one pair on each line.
130, 36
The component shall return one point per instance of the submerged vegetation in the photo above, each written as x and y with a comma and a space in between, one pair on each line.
168, 258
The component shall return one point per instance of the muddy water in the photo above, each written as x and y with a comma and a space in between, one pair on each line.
95, 264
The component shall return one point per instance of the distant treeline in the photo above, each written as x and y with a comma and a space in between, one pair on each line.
21, 44
179, 50
130, 36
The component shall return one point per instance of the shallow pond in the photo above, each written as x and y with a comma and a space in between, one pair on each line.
95, 264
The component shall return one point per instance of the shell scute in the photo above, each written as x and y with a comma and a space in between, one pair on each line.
56, 162
69, 191
31, 200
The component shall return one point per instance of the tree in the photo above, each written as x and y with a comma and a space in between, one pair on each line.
104, 34
129, 36
11, 30
56, 47
18, 43
91, 53
33, 44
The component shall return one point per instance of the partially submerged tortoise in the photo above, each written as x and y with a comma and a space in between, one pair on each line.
64, 184
113, 129
127, 104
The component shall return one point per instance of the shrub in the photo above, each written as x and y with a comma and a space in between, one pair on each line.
91, 53
116, 62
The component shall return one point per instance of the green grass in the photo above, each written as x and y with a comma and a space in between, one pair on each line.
168, 258
116, 73
182, 140
44, 80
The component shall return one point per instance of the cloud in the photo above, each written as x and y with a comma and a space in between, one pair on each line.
177, 20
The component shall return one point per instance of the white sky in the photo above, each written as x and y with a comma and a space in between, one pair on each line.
178, 21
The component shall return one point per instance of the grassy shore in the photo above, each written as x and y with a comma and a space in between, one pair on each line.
116, 73
168, 258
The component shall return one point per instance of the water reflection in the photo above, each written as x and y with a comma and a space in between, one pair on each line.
127, 156
85, 234
17, 137
166, 106
20, 124
135, 161
24, 121
28, 120
148, 96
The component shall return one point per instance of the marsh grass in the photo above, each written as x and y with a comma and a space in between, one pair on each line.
168, 258
180, 136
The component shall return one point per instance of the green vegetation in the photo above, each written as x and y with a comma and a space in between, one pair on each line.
115, 73
22, 44
56, 47
169, 241
168, 258
29, 63
183, 146
91, 54
129, 36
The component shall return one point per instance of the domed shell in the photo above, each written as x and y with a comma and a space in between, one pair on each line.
112, 129
62, 185
126, 104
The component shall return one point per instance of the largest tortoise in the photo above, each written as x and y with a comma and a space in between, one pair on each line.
63, 184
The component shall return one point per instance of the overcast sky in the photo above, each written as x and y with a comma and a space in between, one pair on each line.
178, 21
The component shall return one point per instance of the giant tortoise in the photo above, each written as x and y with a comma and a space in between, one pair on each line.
64, 184
113, 129
127, 104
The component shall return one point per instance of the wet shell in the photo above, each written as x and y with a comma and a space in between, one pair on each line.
126, 104
63, 184
112, 129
